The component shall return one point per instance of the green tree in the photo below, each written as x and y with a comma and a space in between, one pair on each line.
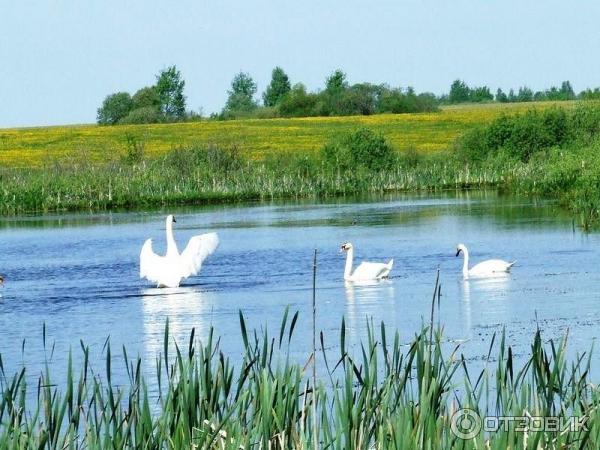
336, 82
332, 98
278, 88
589, 94
480, 94
114, 108
146, 97
567, 90
169, 87
459, 92
241, 96
525, 94
501, 96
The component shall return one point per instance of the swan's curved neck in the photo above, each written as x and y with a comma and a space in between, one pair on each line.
349, 258
171, 245
466, 262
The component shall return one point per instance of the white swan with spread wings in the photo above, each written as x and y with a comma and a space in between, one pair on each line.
171, 269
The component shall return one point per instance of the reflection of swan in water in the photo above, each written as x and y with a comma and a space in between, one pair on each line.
366, 300
481, 290
186, 308
465, 309
368, 290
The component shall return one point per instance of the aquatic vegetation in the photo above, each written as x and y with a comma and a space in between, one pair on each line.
198, 175
382, 394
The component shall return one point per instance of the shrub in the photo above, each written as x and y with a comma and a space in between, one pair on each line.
521, 135
146, 114
298, 103
359, 149
135, 150
114, 108
146, 96
212, 159
585, 120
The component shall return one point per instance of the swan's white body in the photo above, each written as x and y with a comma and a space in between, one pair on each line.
487, 268
366, 270
169, 270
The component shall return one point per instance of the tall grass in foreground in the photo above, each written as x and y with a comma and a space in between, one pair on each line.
380, 395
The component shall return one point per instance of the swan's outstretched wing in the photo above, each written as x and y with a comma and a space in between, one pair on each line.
151, 265
198, 248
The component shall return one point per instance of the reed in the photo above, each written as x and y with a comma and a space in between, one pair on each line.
382, 394
200, 175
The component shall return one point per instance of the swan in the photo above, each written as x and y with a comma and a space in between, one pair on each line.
169, 270
366, 270
485, 268
1, 280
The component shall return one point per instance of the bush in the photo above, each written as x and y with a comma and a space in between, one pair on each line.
359, 149
146, 114
146, 96
114, 108
135, 150
212, 159
585, 120
298, 103
520, 135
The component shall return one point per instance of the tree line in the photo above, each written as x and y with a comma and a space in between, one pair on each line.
165, 100
460, 92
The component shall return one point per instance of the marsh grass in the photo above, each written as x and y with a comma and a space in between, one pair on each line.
200, 175
382, 394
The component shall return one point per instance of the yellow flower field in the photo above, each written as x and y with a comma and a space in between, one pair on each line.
30, 147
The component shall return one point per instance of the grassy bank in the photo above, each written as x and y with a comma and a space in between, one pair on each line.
548, 151
383, 395
198, 175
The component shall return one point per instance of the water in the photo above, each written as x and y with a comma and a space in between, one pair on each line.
78, 274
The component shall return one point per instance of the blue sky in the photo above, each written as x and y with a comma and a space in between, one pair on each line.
59, 59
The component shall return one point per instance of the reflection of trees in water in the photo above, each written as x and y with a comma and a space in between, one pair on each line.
477, 205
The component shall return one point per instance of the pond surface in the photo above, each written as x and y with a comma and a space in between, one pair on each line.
78, 274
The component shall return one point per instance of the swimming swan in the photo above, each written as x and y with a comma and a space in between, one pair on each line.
366, 270
169, 270
485, 268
